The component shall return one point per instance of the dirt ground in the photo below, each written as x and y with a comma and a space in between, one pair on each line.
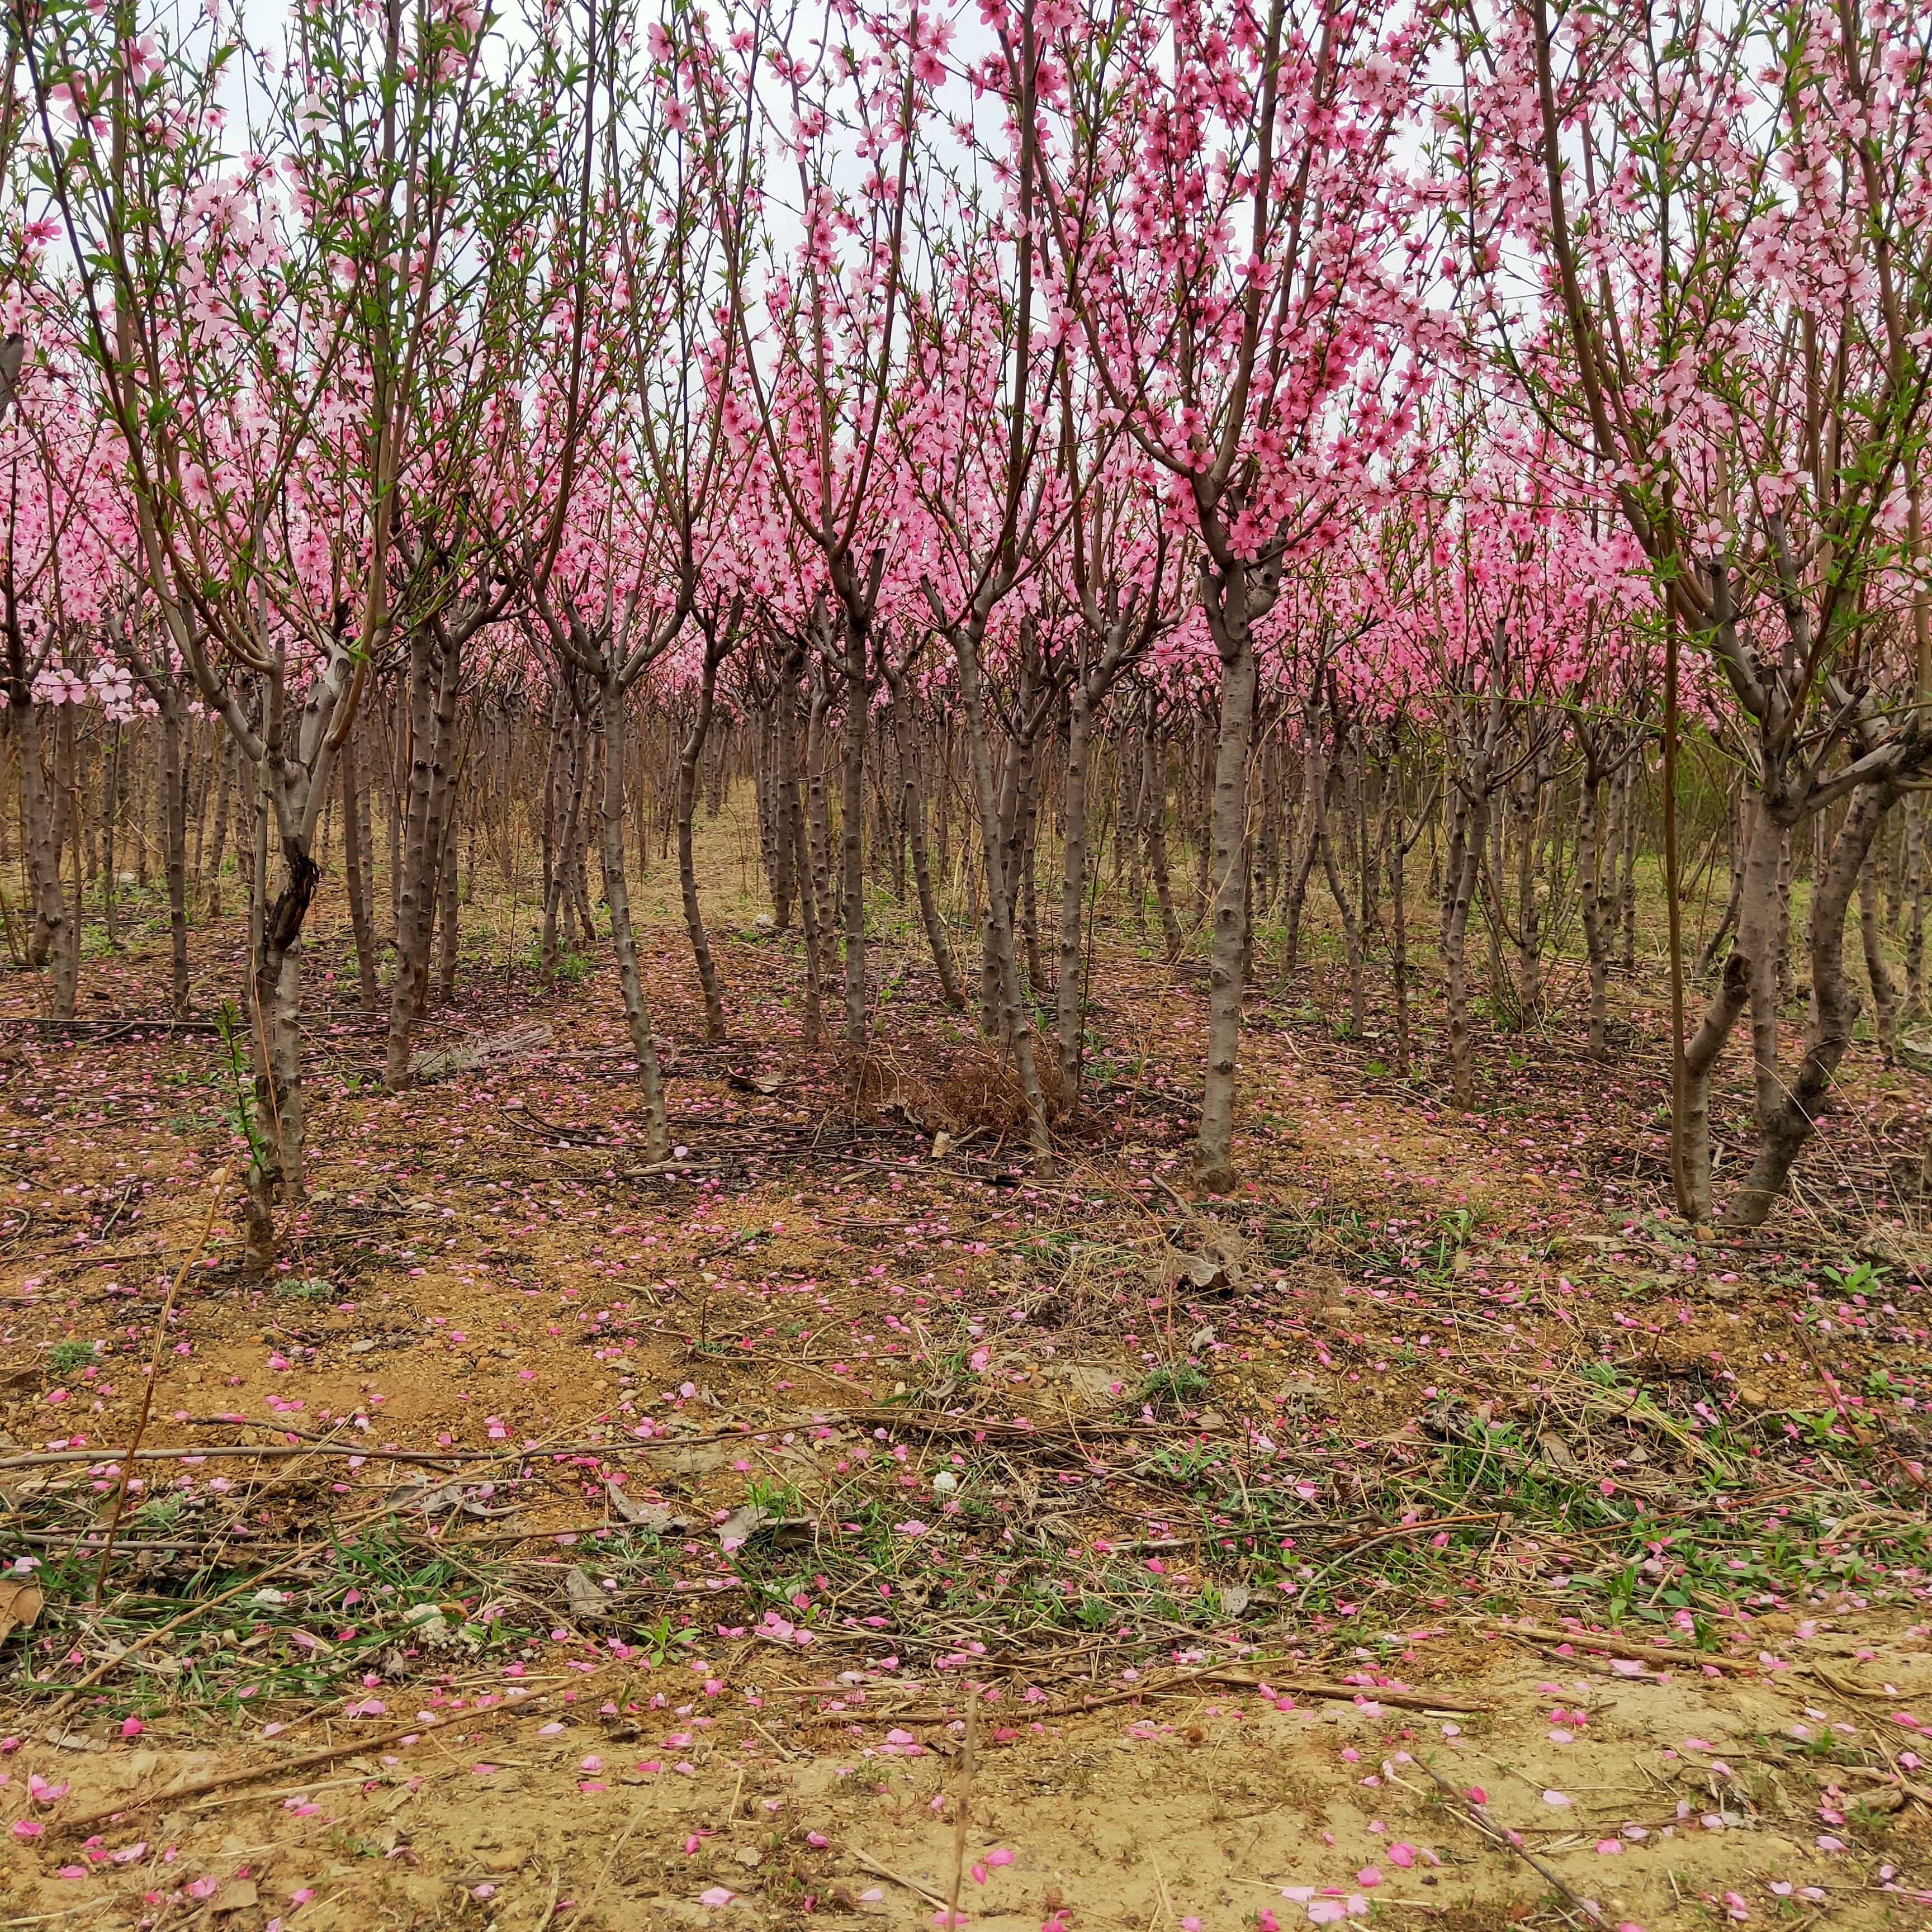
1676, 1798
683, 1517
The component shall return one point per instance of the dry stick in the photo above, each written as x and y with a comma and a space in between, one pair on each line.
1232, 1675
961, 1816
1398, 1700
1403, 1700
1497, 1835
1617, 1646
550, 1908
216, 1185
918, 1890
309, 1760
436, 1459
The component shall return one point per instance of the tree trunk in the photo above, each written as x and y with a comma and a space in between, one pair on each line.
1885, 1004
1590, 857
53, 942
1302, 856
354, 831
818, 830
1784, 1126
794, 855
1216, 1157
1016, 1023
174, 833
851, 843
550, 845
110, 815
1735, 812
1700, 1056
435, 676
617, 898
225, 754
1398, 851
906, 733
1915, 915
65, 962
689, 753
1528, 921
1153, 817
448, 908
1626, 882
1351, 934
1465, 860
1069, 993
1029, 897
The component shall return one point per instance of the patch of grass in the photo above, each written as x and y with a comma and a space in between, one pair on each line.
1176, 1385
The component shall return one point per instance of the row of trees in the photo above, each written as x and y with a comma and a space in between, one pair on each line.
1446, 404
